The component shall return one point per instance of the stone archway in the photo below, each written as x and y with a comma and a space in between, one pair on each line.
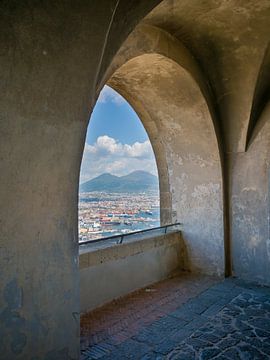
54, 60
52, 54
176, 115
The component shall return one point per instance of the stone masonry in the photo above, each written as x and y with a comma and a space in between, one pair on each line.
184, 318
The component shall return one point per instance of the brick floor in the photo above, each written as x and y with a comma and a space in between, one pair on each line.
186, 317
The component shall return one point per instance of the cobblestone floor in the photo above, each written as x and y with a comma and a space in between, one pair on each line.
186, 317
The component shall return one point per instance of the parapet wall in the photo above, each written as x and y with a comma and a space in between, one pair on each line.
109, 273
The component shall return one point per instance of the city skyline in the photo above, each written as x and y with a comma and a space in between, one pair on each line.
107, 214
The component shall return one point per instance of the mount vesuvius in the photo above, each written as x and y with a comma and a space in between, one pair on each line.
137, 181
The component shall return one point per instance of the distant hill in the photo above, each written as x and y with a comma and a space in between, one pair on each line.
137, 181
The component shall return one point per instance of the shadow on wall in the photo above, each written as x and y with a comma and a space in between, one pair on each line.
182, 134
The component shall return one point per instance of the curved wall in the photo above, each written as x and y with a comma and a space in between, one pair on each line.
251, 207
185, 139
51, 56
53, 59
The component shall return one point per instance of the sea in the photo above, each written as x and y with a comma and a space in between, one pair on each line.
136, 226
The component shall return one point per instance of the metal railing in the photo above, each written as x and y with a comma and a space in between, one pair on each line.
120, 237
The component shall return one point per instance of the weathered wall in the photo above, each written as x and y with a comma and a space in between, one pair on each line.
251, 206
109, 273
51, 55
229, 62
228, 39
187, 137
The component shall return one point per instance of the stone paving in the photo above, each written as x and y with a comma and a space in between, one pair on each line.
183, 318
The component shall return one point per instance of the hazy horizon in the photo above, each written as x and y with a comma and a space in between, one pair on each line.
119, 175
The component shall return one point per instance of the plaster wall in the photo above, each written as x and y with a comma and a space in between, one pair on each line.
53, 60
109, 273
187, 137
250, 204
228, 39
51, 55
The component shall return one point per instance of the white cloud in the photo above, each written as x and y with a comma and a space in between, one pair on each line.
139, 150
106, 145
107, 94
109, 155
89, 148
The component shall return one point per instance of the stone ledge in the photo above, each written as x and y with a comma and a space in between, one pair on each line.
120, 251
114, 271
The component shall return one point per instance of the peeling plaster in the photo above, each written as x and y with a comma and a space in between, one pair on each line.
205, 190
249, 189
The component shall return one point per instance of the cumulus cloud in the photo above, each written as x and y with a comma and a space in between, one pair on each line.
139, 150
106, 145
109, 155
107, 94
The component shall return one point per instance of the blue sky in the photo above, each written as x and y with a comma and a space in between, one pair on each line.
116, 140
113, 116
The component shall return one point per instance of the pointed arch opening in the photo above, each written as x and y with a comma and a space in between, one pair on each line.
177, 116
119, 186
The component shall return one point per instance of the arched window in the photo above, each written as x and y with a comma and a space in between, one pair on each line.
119, 187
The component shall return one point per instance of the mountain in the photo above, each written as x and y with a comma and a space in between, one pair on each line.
137, 181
